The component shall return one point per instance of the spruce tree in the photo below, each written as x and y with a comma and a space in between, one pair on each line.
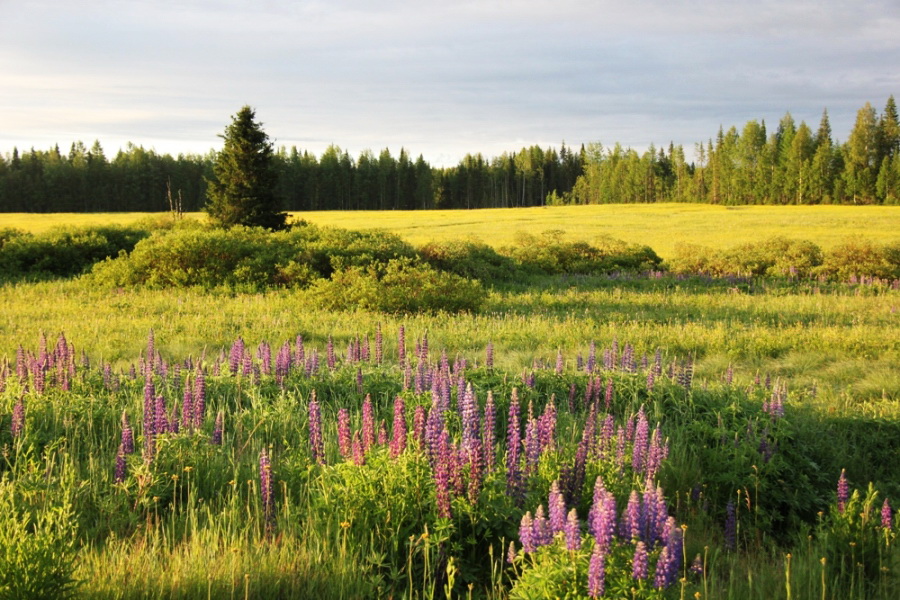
243, 190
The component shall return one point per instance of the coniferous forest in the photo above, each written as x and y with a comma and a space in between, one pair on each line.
789, 164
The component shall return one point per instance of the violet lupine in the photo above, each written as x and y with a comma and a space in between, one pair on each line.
267, 498
264, 354
162, 423
514, 483
187, 406
419, 426
443, 468
630, 528
127, 442
368, 424
572, 531
121, 465
541, 533
199, 399
641, 439
359, 451
236, 356
532, 447
887, 515
665, 574
382, 433
316, 441
18, 418
468, 409
398, 441
597, 572
730, 526
490, 418
556, 506
329, 354
474, 456
283, 362
547, 424
608, 398
843, 492
639, 562
526, 533
602, 516
299, 352
217, 429
343, 425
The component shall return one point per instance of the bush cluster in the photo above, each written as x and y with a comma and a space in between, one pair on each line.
778, 256
64, 251
550, 254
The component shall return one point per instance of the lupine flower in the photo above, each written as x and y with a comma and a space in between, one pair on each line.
639, 563
490, 418
18, 418
697, 565
572, 531
127, 442
265, 489
602, 516
526, 533
217, 429
843, 492
597, 573
514, 483
542, 536
199, 411
368, 424
121, 465
630, 527
382, 433
359, 451
316, 441
398, 441
344, 442
887, 515
442, 474
162, 423
187, 406
329, 354
556, 506
511, 553
730, 526
639, 449
664, 575
401, 345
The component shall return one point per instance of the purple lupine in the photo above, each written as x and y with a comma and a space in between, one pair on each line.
887, 515
656, 453
299, 352
490, 418
542, 535
359, 451
199, 411
730, 526
597, 572
514, 483
187, 406
382, 433
547, 424
162, 422
608, 397
217, 429
843, 492
267, 499
398, 441
556, 506
121, 465
474, 456
127, 442
343, 424
630, 527
264, 354
639, 563
329, 354
236, 356
641, 439
532, 447
468, 409
442, 475
419, 426
379, 345
18, 418
368, 424
526, 533
664, 575
316, 441
602, 516
434, 424
572, 531
401, 345
283, 362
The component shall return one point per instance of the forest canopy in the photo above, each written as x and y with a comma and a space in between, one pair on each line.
791, 163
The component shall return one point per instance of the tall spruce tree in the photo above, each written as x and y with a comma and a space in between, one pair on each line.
243, 191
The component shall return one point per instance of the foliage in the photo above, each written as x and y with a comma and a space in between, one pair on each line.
243, 190
550, 254
399, 286
469, 259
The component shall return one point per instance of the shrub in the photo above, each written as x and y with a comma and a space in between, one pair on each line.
472, 260
551, 255
862, 258
399, 286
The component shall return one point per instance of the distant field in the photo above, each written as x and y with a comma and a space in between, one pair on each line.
660, 226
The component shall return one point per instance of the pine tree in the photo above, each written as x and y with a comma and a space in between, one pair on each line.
243, 191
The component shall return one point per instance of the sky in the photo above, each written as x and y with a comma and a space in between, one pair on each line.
440, 79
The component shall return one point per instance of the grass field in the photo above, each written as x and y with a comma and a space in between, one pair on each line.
764, 389
660, 226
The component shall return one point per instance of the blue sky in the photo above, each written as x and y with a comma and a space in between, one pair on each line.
438, 78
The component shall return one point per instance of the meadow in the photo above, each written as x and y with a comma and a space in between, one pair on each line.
645, 436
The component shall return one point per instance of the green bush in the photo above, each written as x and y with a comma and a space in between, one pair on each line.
63, 252
862, 258
472, 260
399, 286
551, 255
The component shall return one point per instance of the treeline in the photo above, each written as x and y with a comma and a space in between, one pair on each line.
792, 165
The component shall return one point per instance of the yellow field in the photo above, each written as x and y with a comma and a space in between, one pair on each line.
659, 226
